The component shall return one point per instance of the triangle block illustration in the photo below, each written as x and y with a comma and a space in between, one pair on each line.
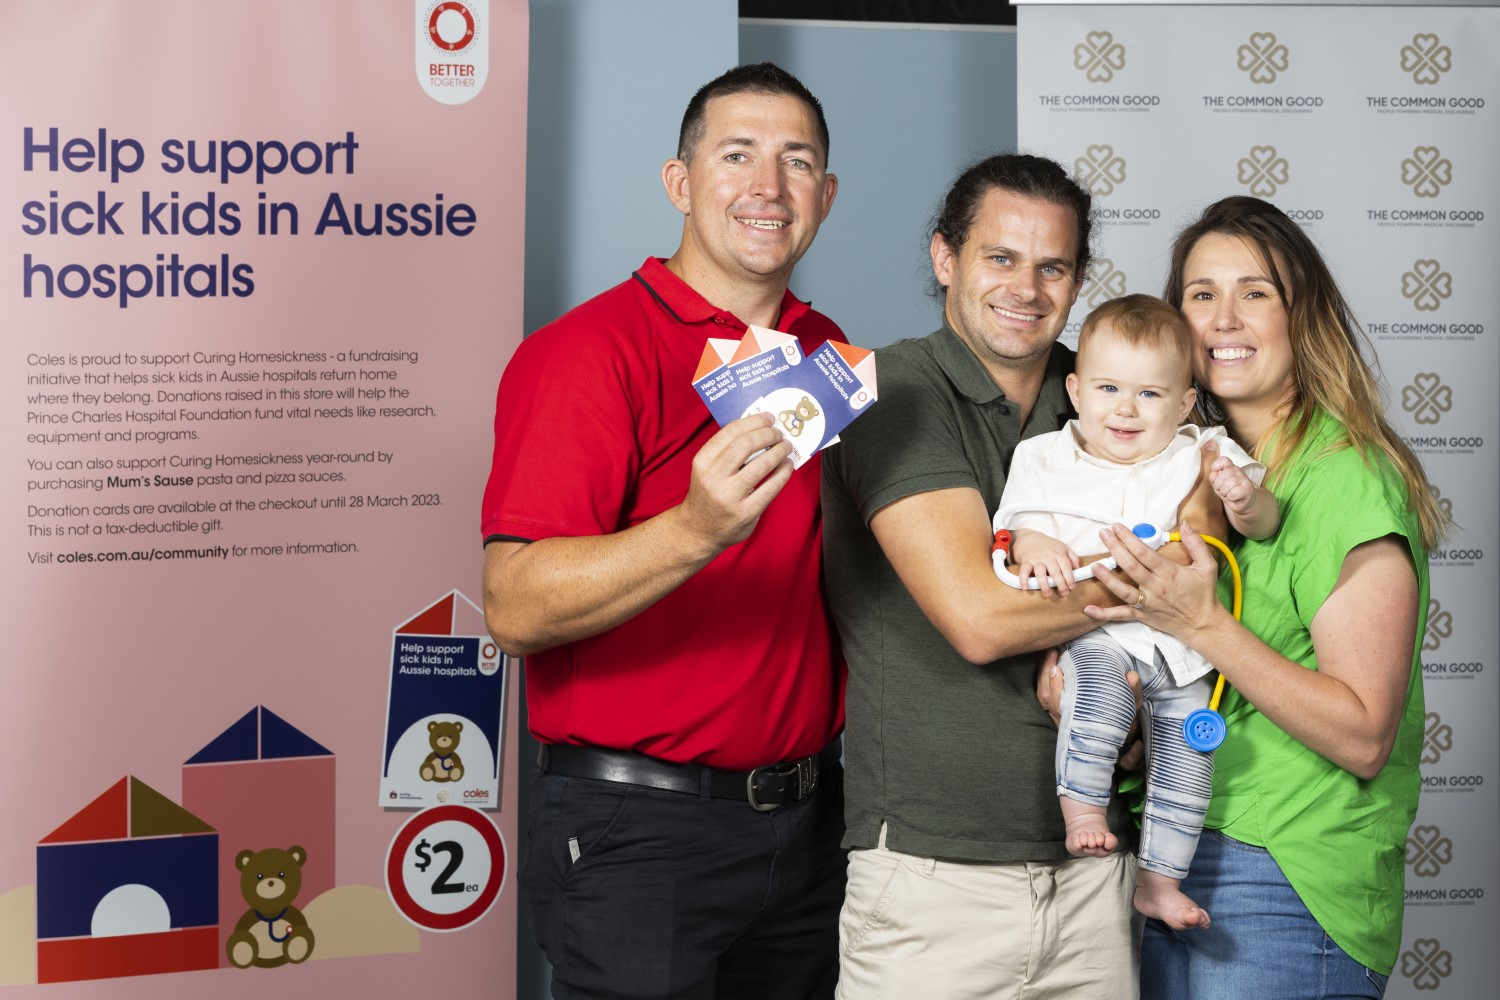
259, 734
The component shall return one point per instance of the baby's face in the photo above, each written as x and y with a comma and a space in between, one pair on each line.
1130, 400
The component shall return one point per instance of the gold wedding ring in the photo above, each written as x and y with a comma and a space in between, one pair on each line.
1140, 599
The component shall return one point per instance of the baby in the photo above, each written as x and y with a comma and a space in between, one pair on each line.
1129, 457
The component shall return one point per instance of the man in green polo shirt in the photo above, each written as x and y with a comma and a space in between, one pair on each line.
959, 880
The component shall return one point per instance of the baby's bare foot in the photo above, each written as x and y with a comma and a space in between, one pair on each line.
1162, 897
1087, 829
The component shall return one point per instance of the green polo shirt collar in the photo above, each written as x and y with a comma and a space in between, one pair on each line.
969, 377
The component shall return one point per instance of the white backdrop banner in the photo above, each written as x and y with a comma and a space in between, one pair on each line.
1378, 129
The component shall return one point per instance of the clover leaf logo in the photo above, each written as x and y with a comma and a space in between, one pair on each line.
1427, 398
1427, 851
1427, 285
1438, 739
1439, 626
1099, 169
1426, 59
1426, 172
1263, 57
1105, 282
1263, 171
1444, 504
1427, 963
1099, 56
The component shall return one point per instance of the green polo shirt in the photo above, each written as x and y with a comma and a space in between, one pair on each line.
956, 759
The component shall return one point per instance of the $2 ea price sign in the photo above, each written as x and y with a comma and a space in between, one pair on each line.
445, 867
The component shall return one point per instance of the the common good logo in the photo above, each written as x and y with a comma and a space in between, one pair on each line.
1263, 171
1099, 57
452, 48
1439, 627
1427, 285
1444, 504
1105, 282
1426, 171
1263, 57
1426, 398
1427, 963
1427, 851
1437, 739
1426, 58
1100, 169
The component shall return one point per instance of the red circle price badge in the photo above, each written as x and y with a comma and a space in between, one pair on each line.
445, 867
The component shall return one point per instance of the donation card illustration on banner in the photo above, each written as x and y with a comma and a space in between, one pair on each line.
445, 712
811, 398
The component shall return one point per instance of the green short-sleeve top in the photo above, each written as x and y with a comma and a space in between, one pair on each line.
1339, 839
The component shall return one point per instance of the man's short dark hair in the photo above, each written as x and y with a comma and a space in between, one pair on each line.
752, 78
1023, 174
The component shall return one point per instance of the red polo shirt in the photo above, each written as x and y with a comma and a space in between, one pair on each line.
596, 426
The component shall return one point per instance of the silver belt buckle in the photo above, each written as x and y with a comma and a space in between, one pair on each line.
807, 782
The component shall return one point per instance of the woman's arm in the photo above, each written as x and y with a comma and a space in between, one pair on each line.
1349, 708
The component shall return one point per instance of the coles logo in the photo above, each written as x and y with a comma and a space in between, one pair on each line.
452, 48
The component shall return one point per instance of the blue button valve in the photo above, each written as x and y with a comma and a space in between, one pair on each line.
1204, 730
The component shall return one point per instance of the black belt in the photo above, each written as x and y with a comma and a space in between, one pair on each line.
764, 788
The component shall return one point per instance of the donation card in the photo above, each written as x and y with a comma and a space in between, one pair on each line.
445, 711
812, 398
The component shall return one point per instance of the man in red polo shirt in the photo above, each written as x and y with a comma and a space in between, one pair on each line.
662, 578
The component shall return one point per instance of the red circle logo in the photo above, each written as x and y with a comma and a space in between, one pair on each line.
432, 26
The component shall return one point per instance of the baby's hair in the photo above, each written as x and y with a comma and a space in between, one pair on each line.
1142, 321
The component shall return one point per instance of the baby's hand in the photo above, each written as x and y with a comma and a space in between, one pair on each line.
1232, 486
1041, 556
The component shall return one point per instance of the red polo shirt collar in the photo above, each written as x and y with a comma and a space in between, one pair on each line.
687, 306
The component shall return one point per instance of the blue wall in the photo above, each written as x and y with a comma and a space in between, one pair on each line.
608, 85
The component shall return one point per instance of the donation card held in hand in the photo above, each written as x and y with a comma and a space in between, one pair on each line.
811, 397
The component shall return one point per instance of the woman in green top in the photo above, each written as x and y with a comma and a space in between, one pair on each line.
1315, 787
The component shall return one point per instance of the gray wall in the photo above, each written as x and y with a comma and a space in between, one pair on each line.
608, 83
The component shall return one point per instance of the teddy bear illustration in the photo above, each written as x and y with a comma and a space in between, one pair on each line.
272, 932
443, 763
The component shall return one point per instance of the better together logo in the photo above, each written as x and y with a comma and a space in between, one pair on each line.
1263, 171
1263, 57
1438, 739
1427, 963
1426, 171
1099, 169
1427, 285
1426, 59
1105, 282
1427, 398
1427, 851
1099, 56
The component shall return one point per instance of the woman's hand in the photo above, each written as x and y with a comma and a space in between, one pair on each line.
1349, 708
1167, 596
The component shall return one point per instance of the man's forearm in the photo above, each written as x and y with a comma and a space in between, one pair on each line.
558, 590
939, 544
